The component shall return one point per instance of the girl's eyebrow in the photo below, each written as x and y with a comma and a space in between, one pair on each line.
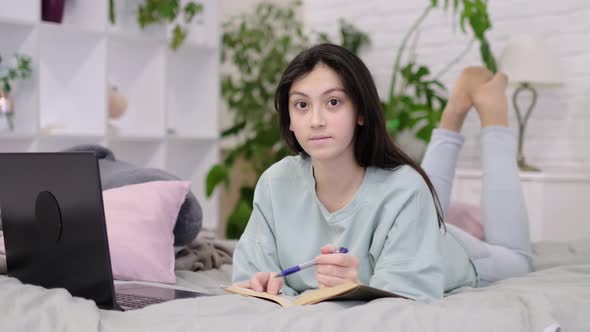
292, 93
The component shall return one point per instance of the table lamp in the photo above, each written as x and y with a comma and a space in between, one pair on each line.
529, 64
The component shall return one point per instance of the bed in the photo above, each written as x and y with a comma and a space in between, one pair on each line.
556, 296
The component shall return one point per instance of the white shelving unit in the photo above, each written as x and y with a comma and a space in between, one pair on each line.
171, 121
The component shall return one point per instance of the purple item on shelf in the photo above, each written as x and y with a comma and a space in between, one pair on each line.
52, 10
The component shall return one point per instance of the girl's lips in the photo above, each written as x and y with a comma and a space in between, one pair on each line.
320, 138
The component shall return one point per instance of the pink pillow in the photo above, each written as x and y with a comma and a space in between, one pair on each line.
140, 219
467, 217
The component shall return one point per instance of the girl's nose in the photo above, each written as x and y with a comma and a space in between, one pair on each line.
317, 118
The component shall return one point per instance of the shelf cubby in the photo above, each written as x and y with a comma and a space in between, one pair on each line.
204, 28
21, 39
72, 82
138, 72
87, 15
190, 109
126, 23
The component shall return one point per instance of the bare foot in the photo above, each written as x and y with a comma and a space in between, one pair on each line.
491, 102
461, 99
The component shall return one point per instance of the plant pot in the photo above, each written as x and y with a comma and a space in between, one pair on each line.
52, 10
6, 111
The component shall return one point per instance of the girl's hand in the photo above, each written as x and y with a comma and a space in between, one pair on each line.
335, 269
263, 282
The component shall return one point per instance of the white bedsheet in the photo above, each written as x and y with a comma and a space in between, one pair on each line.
557, 295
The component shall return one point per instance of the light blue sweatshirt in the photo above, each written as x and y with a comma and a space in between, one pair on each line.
390, 225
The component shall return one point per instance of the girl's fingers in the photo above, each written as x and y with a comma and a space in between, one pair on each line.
329, 281
274, 285
346, 260
327, 249
348, 273
259, 281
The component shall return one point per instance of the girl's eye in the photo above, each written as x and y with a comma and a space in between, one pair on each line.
334, 102
300, 105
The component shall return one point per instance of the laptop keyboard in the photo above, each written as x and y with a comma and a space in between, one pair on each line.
130, 301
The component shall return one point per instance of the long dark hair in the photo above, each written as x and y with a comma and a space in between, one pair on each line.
372, 144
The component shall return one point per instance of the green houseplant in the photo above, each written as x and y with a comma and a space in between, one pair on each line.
21, 70
416, 98
164, 11
258, 46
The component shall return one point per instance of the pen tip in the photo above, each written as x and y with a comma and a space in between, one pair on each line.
278, 275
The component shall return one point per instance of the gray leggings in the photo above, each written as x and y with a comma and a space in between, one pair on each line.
506, 251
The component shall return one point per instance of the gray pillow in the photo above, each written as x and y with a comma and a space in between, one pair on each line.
115, 173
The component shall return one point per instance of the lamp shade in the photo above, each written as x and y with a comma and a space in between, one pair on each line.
526, 59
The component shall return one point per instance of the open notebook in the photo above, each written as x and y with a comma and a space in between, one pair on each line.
348, 291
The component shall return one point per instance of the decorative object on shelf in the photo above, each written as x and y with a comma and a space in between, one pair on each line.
117, 102
165, 11
416, 98
529, 64
22, 70
117, 107
258, 45
52, 10
6, 110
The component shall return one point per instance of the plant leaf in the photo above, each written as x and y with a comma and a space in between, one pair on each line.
234, 130
487, 56
217, 174
238, 219
425, 133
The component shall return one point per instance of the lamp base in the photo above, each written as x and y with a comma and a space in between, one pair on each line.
522, 121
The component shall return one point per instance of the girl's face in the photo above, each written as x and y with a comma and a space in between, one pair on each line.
323, 118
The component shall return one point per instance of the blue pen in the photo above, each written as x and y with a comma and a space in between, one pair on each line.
297, 268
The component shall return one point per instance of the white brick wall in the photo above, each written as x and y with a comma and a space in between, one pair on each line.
558, 133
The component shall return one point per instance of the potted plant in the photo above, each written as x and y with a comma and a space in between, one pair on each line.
8, 74
164, 11
258, 46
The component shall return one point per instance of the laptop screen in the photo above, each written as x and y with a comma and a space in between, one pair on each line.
53, 222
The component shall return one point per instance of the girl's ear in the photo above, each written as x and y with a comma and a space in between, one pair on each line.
360, 120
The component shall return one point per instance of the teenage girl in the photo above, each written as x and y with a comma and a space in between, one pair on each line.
349, 185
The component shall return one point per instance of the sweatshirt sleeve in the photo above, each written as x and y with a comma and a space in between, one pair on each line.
411, 263
256, 250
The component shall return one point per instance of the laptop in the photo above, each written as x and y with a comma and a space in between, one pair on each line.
55, 233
